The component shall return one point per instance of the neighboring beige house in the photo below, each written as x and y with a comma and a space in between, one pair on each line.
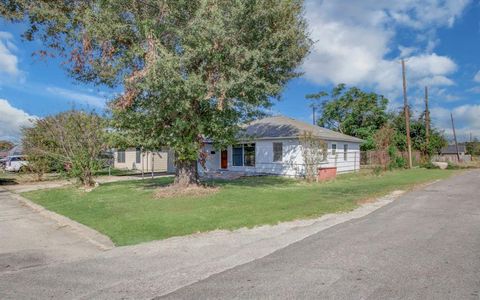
135, 159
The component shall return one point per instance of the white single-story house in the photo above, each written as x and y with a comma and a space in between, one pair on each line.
272, 146
268, 146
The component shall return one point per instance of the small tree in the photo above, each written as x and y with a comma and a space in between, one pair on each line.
33, 142
314, 151
383, 141
74, 139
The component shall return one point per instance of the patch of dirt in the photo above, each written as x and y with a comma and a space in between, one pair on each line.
172, 191
373, 199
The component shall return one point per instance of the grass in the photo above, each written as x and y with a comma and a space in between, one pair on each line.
11, 178
128, 213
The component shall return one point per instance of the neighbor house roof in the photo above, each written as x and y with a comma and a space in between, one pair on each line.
16, 150
284, 127
452, 149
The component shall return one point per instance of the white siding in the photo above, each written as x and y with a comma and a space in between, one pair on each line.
213, 159
292, 163
337, 160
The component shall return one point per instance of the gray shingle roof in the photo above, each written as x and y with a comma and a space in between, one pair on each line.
452, 149
284, 127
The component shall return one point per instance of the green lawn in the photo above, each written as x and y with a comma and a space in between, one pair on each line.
128, 213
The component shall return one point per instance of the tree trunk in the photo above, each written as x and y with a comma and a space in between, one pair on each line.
87, 179
186, 173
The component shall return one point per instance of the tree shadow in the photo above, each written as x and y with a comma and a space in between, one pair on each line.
252, 181
8, 181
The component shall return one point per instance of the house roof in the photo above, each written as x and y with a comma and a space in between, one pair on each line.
452, 149
285, 127
16, 150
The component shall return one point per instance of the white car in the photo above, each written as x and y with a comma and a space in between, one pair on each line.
15, 163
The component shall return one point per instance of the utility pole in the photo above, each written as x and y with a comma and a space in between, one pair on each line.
427, 117
407, 115
455, 137
314, 115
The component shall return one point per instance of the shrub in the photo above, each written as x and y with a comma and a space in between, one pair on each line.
429, 165
74, 138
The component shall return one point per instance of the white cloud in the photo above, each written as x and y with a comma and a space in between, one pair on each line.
476, 78
475, 90
354, 42
77, 97
8, 60
465, 117
12, 120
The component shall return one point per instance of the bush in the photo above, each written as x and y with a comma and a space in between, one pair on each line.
377, 171
429, 165
396, 161
452, 166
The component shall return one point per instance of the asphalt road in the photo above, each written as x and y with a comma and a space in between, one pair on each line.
425, 245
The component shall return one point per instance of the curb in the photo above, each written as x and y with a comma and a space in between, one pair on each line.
100, 241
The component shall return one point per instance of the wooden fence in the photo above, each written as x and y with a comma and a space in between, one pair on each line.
381, 158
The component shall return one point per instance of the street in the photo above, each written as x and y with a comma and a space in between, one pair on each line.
425, 245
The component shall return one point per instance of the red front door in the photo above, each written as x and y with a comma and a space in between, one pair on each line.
224, 159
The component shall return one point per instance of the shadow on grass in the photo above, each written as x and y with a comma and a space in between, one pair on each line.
247, 182
8, 181
251, 181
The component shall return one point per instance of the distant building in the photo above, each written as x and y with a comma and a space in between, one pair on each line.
452, 149
449, 154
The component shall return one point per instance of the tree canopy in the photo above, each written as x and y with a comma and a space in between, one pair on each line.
5, 145
353, 112
362, 114
417, 133
190, 69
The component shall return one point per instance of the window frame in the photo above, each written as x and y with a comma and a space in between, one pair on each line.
121, 153
276, 152
334, 149
236, 155
138, 155
252, 158
242, 156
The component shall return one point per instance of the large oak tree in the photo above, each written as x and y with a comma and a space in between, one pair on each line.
190, 69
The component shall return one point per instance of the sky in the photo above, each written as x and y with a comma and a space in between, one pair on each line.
359, 43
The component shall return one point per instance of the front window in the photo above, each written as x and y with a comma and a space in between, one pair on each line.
121, 156
249, 155
345, 152
277, 152
334, 149
237, 155
243, 155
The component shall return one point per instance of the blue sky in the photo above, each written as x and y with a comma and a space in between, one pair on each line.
359, 43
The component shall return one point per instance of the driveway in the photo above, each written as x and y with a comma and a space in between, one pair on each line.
425, 245
27, 239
